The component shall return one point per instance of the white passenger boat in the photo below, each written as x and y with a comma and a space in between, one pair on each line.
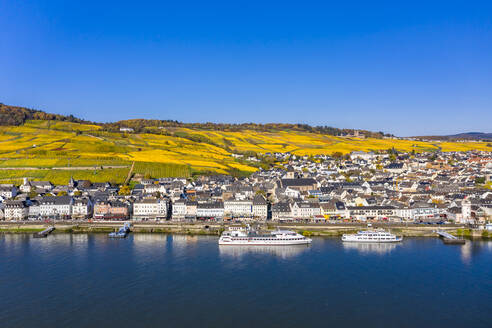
372, 236
249, 237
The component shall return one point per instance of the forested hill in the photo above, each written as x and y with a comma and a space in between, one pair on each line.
143, 125
15, 115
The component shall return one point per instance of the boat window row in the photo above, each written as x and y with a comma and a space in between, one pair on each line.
379, 238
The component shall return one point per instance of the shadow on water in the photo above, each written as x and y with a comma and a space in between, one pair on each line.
279, 251
371, 248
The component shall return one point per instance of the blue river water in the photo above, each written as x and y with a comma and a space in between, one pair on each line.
158, 280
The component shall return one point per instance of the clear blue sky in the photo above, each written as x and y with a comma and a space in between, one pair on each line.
405, 67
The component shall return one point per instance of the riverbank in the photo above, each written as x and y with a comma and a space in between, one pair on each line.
214, 228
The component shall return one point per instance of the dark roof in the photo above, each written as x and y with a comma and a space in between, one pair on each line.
211, 205
307, 204
56, 200
281, 207
40, 183
340, 206
83, 201
259, 200
394, 166
15, 203
83, 184
298, 182
370, 207
101, 196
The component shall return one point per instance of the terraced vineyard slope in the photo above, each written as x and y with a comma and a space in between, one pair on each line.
56, 150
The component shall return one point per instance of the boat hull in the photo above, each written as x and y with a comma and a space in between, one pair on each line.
265, 243
117, 235
373, 241
449, 241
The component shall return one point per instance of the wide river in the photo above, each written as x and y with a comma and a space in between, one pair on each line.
157, 280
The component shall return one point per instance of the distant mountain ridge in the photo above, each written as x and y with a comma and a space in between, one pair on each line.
472, 135
462, 136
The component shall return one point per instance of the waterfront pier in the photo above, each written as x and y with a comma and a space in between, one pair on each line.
448, 238
44, 233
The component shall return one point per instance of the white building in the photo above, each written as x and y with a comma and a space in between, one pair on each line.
191, 208
281, 211
8, 191
82, 208
150, 208
28, 186
333, 208
466, 211
154, 188
260, 207
34, 210
15, 210
210, 210
25, 186
179, 209
292, 193
362, 155
56, 207
238, 208
406, 213
305, 210
425, 212
363, 213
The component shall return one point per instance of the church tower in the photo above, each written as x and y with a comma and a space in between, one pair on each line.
466, 211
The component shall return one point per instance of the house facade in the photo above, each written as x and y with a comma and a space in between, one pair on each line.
306, 210
281, 211
179, 209
238, 208
15, 210
111, 210
150, 208
363, 213
8, 191
82, 208
260, 208
210, 210
56, 207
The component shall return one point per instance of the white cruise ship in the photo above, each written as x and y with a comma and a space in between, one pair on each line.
243, 237
372, 236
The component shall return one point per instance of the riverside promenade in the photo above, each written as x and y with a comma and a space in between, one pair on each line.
215, 228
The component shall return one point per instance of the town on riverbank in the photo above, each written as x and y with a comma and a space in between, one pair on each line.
412, 192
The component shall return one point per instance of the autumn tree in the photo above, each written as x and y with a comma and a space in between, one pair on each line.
125, 190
